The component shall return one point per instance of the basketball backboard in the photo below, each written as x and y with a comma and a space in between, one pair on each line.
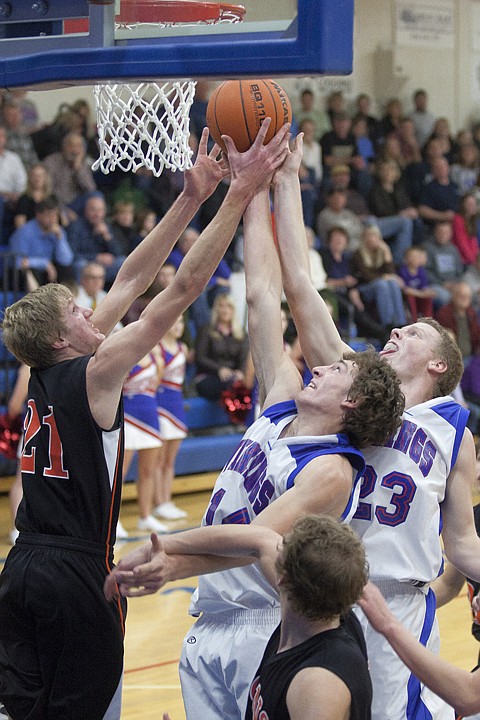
55, 43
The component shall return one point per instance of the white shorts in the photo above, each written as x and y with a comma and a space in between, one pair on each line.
138, 439
397, 694
219, 661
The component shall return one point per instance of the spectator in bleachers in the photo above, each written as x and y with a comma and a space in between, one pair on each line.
71, 174
391, 119
362, 105
335, 214
439, 198
364, 142
423, 120
396, 228
336, 261
444, 264
390, 149
464, 172
221, 351
417, 175
409, 146
336, 104
123, 225
388, 195
41, 245
379, 285
13, 181
472, 277
198, 110
30, 116
18, 139
312, 152
145, 221
466, 229
459, 316
442, 132
308, 111
418, 293
48, 139
91, 239
339, 147
39, 187
219, 282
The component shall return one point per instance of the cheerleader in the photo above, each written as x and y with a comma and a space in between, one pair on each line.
172, 418
142, 434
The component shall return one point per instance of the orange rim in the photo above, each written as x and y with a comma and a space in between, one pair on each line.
174, 12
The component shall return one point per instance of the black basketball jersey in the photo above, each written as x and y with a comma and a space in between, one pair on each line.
341, 651
71, 468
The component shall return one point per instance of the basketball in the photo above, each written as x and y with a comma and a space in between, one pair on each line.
238, 107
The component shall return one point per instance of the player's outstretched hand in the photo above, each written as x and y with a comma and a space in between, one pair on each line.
166, 716
291, 164
251, 168
375, 608
209, 168
141, 572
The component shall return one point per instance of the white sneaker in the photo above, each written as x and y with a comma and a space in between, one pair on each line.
169, 511
13, 536
151, 524
121, 532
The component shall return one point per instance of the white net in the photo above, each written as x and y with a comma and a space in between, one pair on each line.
145, 125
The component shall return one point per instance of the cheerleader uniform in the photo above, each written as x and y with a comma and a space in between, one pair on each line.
170, 408
141, 420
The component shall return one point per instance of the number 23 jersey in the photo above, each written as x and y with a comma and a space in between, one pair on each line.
402, 491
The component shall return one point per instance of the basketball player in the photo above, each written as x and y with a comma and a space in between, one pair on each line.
459, 688
61, 644
416, 485
299, 457
315, 662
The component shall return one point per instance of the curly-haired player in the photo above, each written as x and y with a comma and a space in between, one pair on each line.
297, 458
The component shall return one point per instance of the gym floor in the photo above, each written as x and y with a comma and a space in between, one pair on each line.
156, 624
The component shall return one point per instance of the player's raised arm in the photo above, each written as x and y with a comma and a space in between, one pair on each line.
459, 688
277, 375
119, 352
142, 265
319, 338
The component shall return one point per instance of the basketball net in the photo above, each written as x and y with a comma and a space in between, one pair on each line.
147, 125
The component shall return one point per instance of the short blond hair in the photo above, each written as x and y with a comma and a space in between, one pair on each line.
32, 324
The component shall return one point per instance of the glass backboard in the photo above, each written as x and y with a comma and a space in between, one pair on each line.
55, 43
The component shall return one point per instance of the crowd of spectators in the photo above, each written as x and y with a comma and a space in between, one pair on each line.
391, 208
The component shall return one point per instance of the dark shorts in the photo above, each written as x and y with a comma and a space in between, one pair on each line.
61, 643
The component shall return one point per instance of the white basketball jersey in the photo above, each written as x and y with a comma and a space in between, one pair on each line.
399, 513
263, 467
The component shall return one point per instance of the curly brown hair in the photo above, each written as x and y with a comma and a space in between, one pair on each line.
322, 567
381, 402
32, 324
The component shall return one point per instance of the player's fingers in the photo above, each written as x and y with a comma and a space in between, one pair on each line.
229, 144
139, 590
202, 145
262, 132
215, 152
110, 588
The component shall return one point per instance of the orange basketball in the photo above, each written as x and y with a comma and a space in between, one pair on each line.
238, 107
